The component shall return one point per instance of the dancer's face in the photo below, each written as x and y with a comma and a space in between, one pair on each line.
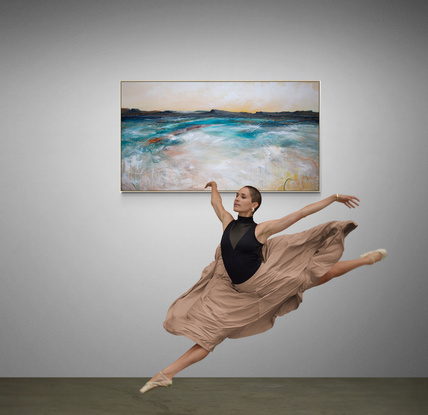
243, 203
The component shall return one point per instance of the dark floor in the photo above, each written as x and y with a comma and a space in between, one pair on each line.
234, 396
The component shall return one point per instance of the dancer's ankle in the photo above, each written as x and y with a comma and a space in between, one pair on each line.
166, 374
375, 257
161, 376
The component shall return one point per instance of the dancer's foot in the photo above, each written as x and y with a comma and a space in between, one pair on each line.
375, 256
159, 380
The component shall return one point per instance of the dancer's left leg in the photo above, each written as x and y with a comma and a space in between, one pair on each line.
193, 355
343, 267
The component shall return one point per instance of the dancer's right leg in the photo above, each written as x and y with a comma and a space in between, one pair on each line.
343, 267
193, 355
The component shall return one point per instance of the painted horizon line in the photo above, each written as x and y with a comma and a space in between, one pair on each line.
127, 112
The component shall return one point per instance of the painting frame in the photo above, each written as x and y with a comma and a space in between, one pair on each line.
162, 130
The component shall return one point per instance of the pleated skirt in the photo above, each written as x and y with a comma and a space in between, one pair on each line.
215, 309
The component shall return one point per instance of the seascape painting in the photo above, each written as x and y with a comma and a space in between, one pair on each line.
178, 136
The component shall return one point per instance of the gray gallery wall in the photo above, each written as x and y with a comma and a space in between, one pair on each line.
88, 273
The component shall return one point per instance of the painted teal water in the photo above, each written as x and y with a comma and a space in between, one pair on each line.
177, 141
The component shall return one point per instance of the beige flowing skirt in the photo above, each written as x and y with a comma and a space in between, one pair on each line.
215, 308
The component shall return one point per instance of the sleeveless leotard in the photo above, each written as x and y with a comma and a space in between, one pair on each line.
240, 249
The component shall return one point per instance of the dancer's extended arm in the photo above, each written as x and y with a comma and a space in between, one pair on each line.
224, 216
269, 228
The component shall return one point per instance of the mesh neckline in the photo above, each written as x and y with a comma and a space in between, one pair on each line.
242, 219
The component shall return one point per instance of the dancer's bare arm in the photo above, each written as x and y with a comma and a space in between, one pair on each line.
267, 229
224, 216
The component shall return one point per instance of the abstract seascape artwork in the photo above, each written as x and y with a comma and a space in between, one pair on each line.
178, 136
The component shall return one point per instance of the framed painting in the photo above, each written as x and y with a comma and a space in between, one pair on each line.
178, 136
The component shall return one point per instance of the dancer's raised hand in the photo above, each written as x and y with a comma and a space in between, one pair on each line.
211, 184
349, 201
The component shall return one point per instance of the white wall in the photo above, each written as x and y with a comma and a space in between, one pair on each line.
88, 273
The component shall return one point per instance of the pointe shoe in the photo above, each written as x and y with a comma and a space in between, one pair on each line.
370, 254
151, 385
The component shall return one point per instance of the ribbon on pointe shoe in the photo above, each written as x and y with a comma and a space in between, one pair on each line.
152, 385
370, 254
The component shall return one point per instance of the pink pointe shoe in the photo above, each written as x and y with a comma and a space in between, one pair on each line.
151, 385
371, 255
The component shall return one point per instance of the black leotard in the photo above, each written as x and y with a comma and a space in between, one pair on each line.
240, 249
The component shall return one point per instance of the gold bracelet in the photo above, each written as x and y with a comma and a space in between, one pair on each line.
337, 197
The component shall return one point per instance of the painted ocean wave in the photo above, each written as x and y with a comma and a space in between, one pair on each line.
183, 151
